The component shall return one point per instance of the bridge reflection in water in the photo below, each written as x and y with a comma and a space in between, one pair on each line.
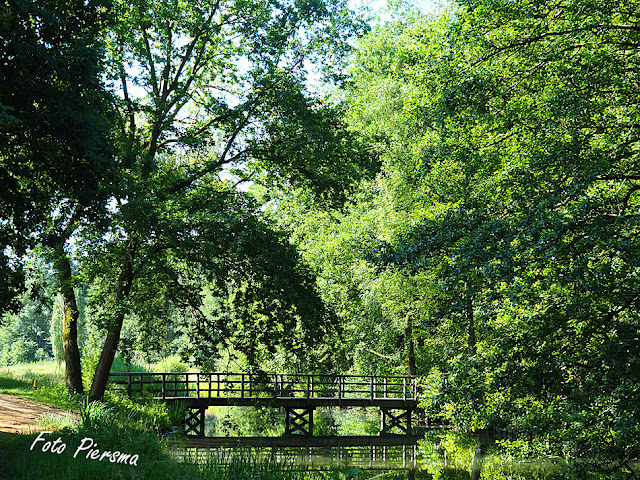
310, 453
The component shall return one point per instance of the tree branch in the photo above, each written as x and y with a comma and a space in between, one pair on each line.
379, 354
149, 56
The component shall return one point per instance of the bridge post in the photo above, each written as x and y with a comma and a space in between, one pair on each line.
298, 421
194, 422
389, 420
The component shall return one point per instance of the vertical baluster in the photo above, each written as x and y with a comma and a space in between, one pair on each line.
164, 393
372, 388
404, 456
242, 386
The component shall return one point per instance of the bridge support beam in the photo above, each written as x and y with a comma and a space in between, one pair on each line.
389, 420
194, 422
298, 421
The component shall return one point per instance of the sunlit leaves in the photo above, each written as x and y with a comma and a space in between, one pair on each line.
527, 201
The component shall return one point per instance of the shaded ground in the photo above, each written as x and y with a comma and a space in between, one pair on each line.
18, 415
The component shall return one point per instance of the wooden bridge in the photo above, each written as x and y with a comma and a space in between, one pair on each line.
299, 395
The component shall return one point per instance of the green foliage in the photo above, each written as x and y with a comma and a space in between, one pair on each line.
169, 364
215, 82
55, 331
54, 147
155, 462
345, 472
342, 422
309, 145
57, 421
245, 422
24, 336
141, 415
500, 237
522, 216
95, 415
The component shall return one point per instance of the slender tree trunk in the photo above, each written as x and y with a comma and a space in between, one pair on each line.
411, 354
471, 327
125, 282
73, 370
478, 457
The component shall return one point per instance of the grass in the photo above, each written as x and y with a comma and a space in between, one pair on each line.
117, 425
57, 421
152, 462
19, 380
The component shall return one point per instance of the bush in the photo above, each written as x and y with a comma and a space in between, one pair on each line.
19, 351
171, 364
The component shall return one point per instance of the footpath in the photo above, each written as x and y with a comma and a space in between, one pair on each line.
18, 415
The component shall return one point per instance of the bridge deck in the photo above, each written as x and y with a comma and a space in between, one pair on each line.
200, 390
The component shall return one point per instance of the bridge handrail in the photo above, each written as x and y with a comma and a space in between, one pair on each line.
247, 385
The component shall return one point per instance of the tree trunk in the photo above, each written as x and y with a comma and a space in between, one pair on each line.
125, 282
471, 327
411, 354
73, 370
476, 468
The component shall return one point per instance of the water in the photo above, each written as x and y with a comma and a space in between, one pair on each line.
315, 457
345, 445
425, 460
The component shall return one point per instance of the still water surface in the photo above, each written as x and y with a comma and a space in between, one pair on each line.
441, 455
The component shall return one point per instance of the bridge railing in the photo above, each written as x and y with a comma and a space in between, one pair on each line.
245, 385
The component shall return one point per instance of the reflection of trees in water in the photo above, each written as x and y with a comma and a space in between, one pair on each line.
455, 455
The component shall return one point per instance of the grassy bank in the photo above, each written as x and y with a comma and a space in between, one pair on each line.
144, 457
49, 379
86, 448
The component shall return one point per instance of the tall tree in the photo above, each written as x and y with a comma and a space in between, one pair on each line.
380, 311
55, 161
205, 80
530, 213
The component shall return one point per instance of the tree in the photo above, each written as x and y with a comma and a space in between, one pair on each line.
529, 208
210, 76
54, 150
383, 313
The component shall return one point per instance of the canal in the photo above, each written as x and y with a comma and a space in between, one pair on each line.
347, 446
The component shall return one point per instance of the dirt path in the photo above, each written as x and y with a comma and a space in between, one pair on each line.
18, 415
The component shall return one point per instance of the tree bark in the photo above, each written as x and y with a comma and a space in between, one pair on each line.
73, 370
478, 457
103, 368
471, 327
411, 354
